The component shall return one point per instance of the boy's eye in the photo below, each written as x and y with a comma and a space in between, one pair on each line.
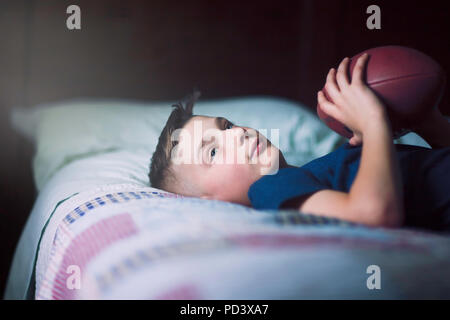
213, 152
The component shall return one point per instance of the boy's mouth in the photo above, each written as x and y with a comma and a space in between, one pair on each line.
257, 147
254, 148
263, 145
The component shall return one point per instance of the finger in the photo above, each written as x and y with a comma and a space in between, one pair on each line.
331, 85
355, 140
358, 70
352, 141
329, 108
342, 78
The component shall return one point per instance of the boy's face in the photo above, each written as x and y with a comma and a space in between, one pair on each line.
215, 159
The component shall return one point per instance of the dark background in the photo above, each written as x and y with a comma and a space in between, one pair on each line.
161, 50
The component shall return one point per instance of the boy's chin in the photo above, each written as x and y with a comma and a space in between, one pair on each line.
275, 162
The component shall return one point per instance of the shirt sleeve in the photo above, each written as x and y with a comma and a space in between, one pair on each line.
271, 191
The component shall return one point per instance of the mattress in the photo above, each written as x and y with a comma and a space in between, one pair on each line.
99, 231
125, 241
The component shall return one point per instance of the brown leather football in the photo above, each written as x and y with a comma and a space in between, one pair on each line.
409, 82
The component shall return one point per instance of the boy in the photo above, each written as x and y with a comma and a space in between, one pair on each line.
368, 180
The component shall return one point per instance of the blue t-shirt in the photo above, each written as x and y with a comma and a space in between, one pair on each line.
425, 176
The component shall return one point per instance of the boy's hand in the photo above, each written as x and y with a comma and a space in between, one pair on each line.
353, 104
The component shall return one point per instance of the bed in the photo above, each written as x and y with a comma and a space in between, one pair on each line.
99, 231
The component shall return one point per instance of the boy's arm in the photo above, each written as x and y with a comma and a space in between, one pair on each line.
375, 197
378, 181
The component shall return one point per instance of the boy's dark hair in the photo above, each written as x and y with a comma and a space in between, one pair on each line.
160, 172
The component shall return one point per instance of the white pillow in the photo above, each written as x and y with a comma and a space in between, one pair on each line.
70, 130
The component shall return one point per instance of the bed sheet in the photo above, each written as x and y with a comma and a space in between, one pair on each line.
140, 243
117, 168
114, 168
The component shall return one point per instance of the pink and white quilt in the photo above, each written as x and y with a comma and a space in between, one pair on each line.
141, 243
